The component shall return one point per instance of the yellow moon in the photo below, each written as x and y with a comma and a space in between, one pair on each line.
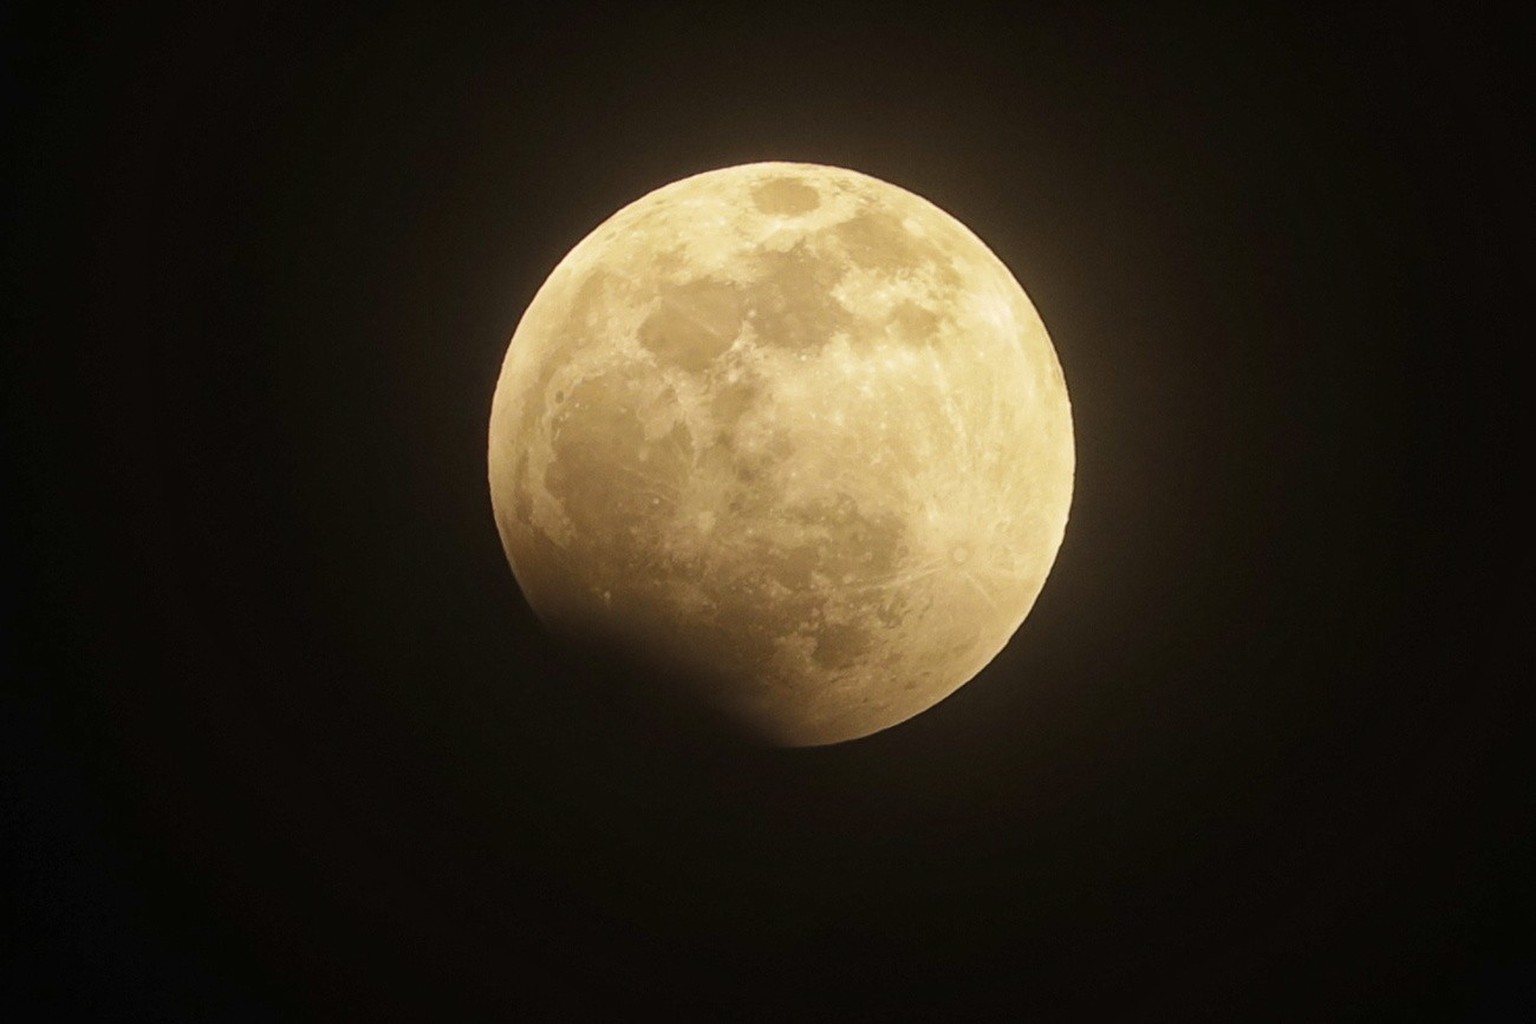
793, 429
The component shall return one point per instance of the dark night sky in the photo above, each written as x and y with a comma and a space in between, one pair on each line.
283, 741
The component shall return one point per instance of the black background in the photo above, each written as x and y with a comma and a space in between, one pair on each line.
283, 740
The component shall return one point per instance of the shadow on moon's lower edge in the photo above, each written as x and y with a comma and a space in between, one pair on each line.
650, 698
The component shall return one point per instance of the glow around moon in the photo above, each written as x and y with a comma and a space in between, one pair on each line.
794, 430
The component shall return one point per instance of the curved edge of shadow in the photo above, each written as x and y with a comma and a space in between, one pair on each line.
642, 698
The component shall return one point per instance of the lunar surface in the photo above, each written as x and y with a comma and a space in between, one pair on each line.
794, 430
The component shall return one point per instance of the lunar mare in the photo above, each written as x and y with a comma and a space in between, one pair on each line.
795, 429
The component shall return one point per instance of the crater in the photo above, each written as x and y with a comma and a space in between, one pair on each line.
785, 196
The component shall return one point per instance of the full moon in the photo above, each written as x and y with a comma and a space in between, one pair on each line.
795, 431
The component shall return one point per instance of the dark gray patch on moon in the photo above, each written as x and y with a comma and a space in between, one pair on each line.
580, 324
694, 323
852, 551
785, 196
731, 399
878, 240
792, 305
914, 324
840, 644
671, 261
612, 483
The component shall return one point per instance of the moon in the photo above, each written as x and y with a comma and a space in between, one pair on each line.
790, 428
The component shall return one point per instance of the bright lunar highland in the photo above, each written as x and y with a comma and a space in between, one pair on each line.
794, 430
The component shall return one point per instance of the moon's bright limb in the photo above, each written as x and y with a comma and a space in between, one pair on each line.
794, 427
